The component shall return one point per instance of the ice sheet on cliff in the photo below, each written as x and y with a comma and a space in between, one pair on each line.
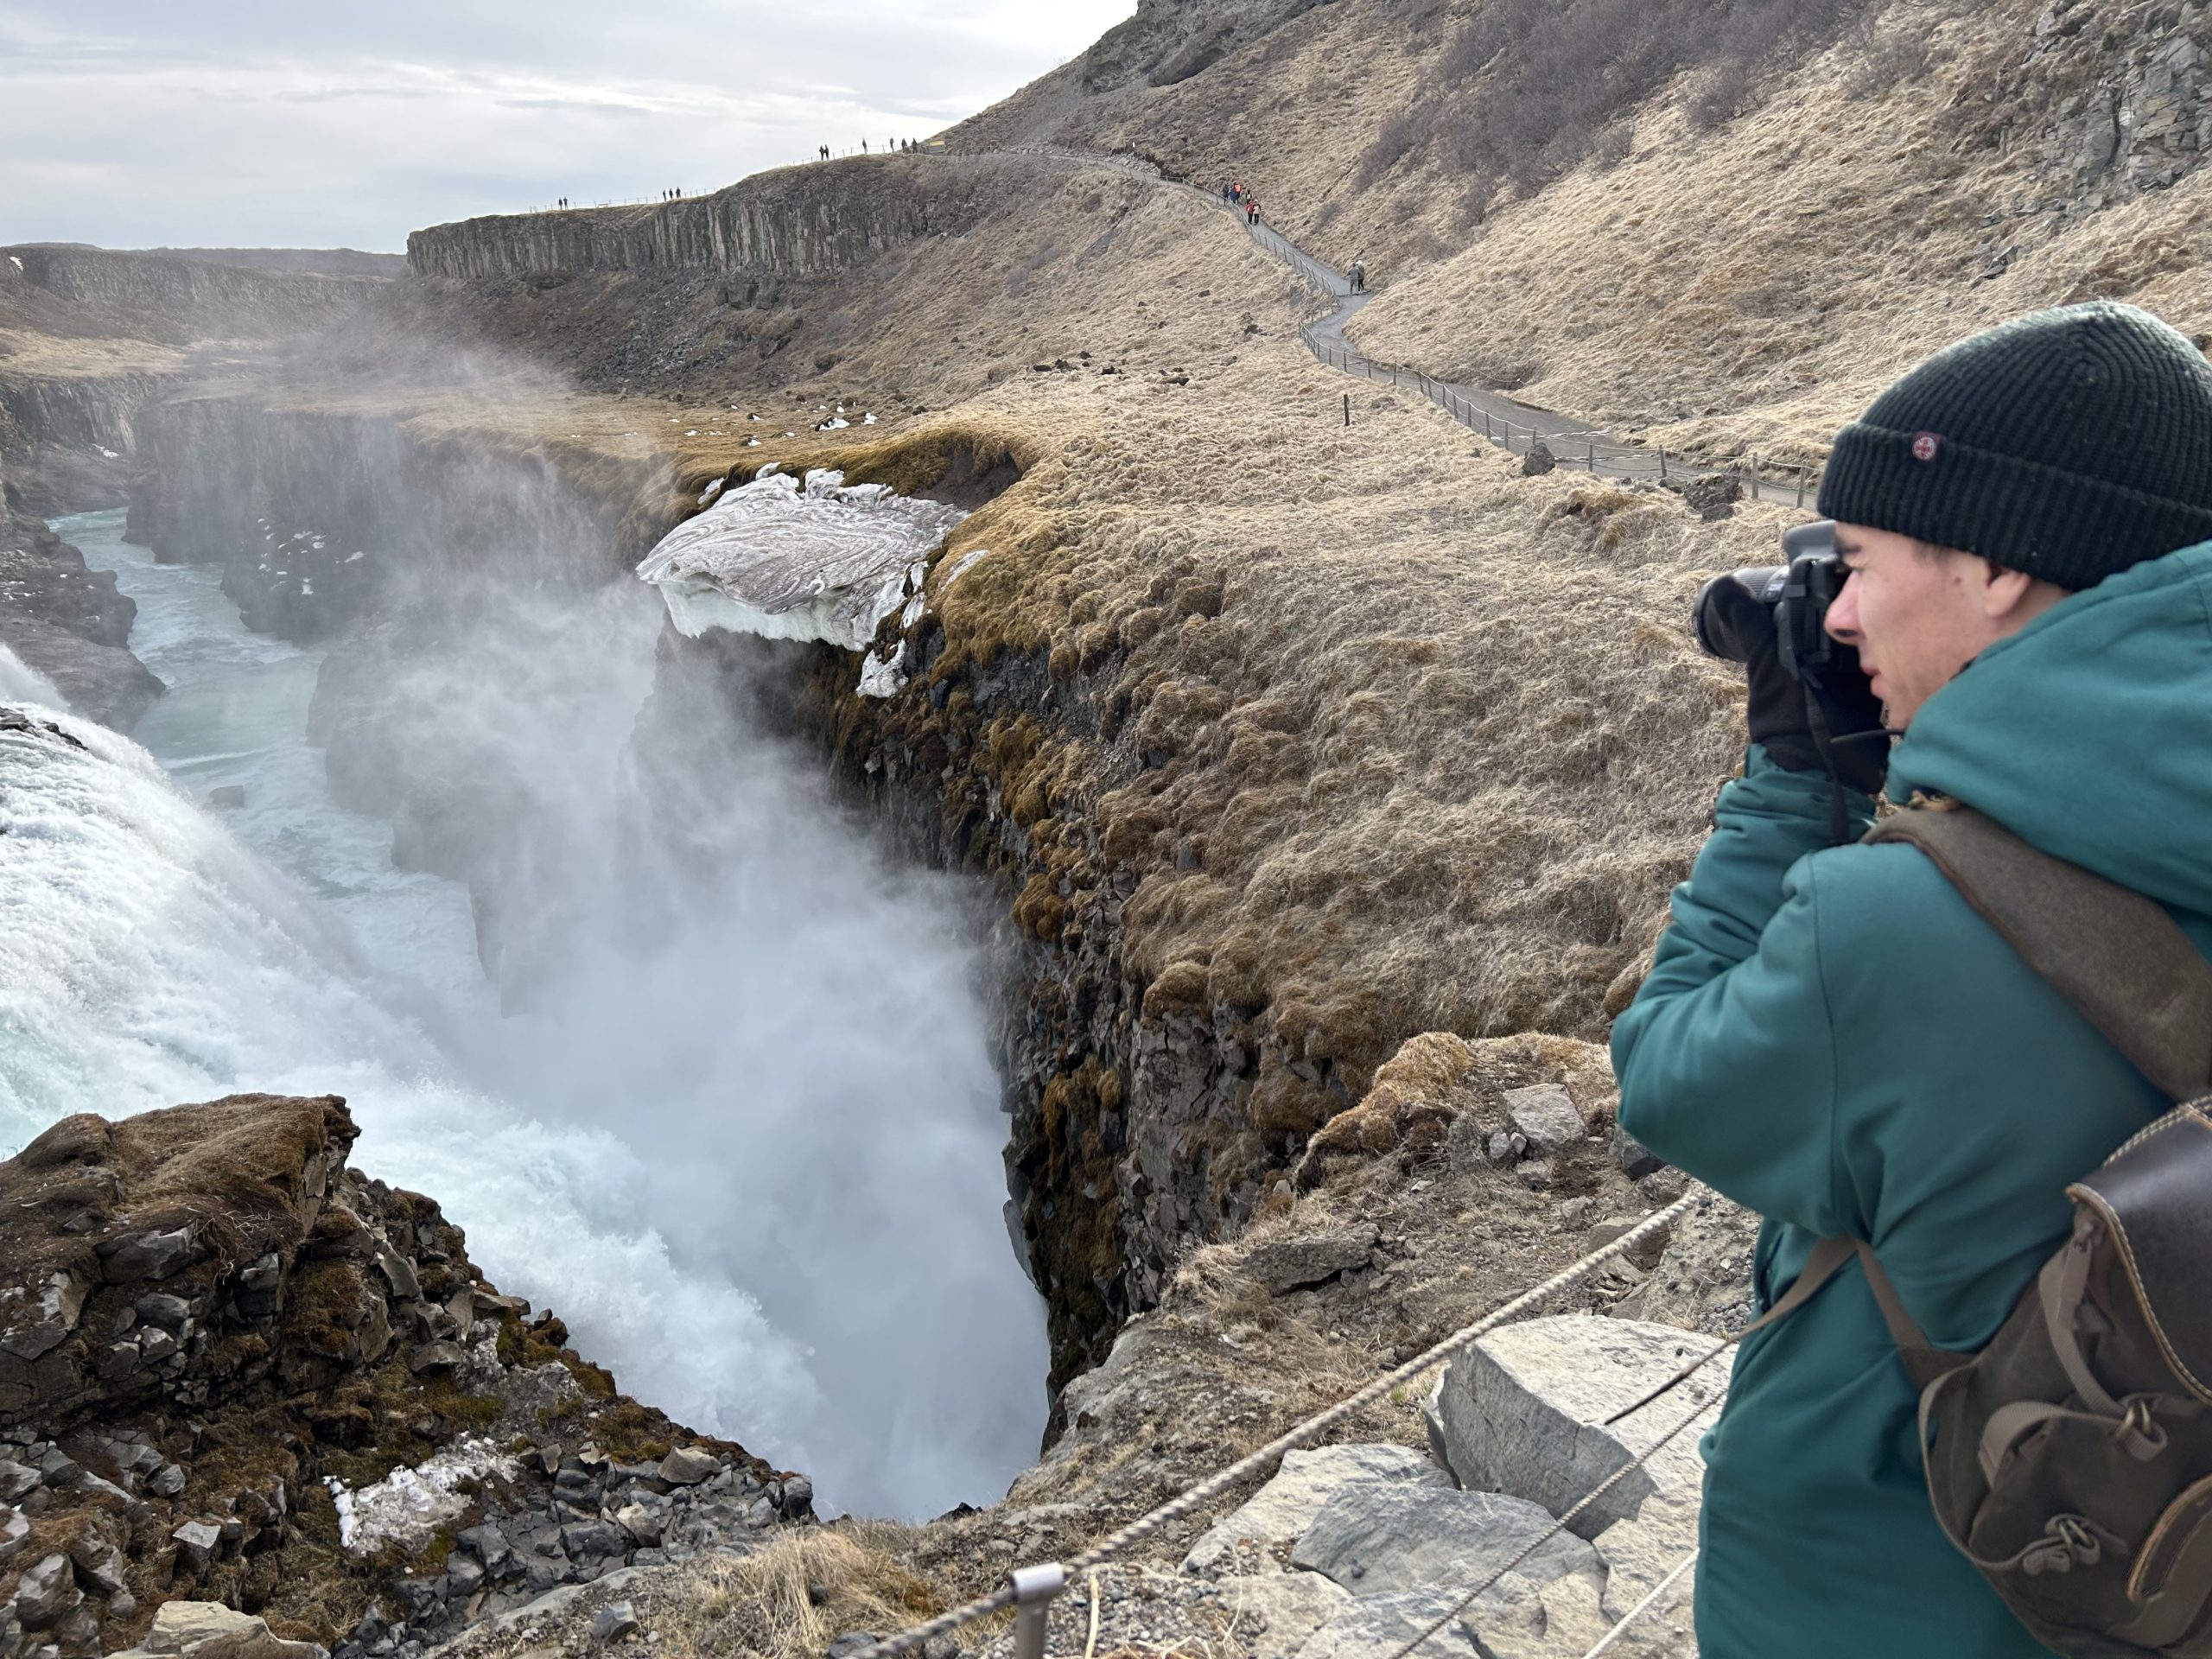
791, 560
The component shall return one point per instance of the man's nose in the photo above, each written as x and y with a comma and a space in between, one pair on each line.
1842, 619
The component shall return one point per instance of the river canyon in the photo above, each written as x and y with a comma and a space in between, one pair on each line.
726, 1095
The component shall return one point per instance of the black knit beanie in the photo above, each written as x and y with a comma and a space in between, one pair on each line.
2068, 444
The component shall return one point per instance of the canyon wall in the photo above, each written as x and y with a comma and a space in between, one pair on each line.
795, 221
74, 438
321, 516
205, 301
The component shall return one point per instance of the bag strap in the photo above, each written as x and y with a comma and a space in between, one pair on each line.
1923, 1360
2116, 955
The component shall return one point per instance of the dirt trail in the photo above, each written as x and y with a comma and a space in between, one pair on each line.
1506, 422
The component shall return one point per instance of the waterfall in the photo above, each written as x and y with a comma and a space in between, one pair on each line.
745, 1137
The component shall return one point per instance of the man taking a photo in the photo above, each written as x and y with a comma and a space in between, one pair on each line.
1831, 1036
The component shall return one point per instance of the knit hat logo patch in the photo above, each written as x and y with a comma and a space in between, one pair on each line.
1926, 446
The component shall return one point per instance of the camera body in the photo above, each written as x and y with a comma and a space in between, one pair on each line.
1792, 599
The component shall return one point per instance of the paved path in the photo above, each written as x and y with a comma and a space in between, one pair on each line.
1504, 421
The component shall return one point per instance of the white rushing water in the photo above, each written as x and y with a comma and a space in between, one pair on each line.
750, 1157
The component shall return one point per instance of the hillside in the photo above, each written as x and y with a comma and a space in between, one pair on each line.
1725, 226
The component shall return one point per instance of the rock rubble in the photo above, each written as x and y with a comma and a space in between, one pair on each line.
1518, 1437
235, 1372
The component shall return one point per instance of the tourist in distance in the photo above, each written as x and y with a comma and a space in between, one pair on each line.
1830, 1036
1357, 275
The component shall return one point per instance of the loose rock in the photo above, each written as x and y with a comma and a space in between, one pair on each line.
1374, 1538
1546, 1114
1287, 1264
1286, 1505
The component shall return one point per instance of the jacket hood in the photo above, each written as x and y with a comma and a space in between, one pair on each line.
2088, 733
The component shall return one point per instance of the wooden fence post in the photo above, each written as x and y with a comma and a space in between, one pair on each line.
1802, 472
1662, 463
1347, 409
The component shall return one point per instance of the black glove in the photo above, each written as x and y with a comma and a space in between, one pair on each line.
1833, 728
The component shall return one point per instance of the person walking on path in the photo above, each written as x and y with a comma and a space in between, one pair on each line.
1251, 212
1357, 274
1830, 1036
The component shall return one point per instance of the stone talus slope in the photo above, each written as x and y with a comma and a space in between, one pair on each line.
233, 1369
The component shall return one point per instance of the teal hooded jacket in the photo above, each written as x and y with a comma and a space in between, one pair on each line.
1832, 1038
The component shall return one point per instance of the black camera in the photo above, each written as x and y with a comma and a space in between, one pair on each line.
1738, 614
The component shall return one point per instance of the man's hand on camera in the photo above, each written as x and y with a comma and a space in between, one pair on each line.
1782, 708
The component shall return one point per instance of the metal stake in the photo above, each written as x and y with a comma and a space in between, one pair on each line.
1662, 463
1347, 409
1803, 473
1035, 1588
1589, 458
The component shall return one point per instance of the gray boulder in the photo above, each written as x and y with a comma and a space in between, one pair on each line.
613, 1622
44, 1593
1374, 1538
686, 1465
196, 1544
1288, 1264
1523, 1411
641, 1523
135, 1257
1545, 1112
1286, 1505
1713, 495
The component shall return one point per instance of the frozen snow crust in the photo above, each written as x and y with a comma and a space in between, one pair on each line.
791, 561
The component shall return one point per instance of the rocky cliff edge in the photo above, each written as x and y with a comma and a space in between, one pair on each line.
235, 1370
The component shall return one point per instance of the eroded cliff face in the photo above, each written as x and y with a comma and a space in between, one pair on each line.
802, 221
192, 300
70, 624
74, 438
235, 1369
323, 516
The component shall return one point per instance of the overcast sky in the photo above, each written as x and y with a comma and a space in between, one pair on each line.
331, 123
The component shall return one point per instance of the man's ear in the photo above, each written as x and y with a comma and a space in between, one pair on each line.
2004, 592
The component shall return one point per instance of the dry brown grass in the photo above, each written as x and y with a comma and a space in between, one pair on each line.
1749, 290
1739, 286
789, 1598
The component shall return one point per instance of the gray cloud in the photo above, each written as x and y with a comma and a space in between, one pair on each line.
248, 122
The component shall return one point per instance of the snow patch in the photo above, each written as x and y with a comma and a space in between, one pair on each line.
407, 1506
110, 454
961, 564
788, 559
882, 676
713, 488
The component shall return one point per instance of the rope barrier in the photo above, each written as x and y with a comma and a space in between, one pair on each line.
1026, 1587
1591, 1496
1642, 1607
